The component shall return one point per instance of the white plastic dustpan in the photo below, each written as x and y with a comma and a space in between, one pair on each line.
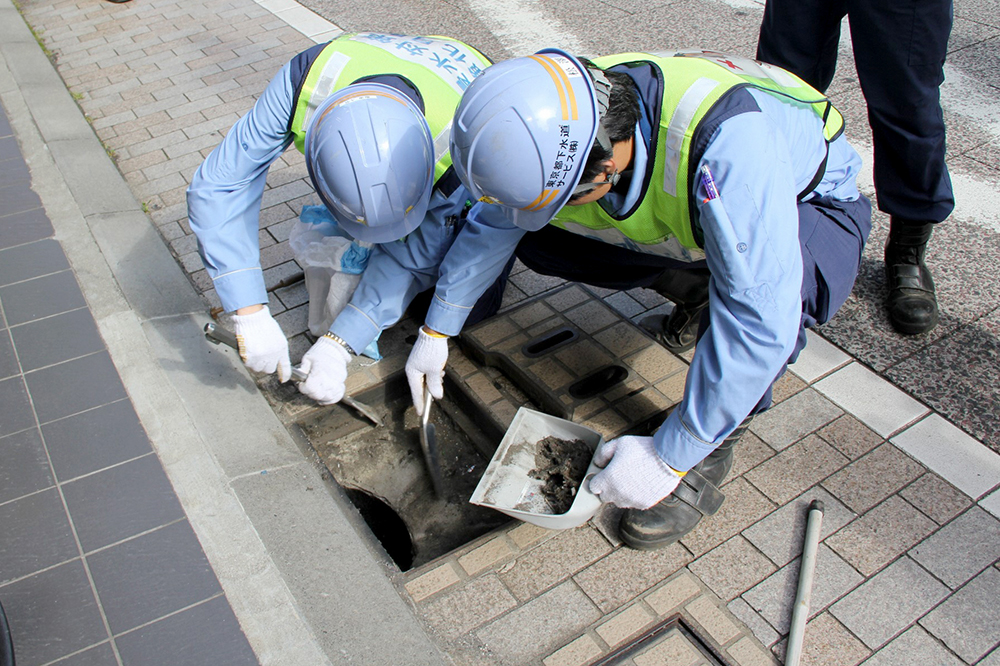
508, 487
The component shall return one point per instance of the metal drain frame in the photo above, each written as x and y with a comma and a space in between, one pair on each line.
676, 621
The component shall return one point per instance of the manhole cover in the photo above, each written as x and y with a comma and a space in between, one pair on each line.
670, 643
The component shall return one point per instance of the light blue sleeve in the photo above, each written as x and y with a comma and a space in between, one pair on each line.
483, 247
752, 248
400, 270
225, 194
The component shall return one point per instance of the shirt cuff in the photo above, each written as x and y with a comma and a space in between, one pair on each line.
355, 328
677, 447
445, 317
241, 288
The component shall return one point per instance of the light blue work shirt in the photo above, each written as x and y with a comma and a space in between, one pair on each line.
760, 162
224, 201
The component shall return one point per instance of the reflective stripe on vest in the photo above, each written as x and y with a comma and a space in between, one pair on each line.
440, 68
694, 81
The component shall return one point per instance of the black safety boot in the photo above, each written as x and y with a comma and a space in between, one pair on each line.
912, 304
688, 290
697, 495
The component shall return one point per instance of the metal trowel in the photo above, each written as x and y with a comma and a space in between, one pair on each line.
428, 442
218, 335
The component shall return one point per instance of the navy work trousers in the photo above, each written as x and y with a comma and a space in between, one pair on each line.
832, 236
899, 48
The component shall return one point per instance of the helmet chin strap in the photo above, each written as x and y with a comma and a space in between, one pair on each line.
602, 91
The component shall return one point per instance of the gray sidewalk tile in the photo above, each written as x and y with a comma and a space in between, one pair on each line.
25, 227
914, 646
15, 406
874, 401
992, 660
626, 573
31, 261
24, 467
53, 614
539, 626
78, 444
992, 503
8, 360
743, 507
99, 655
961, 460
781, 534
74, 386
888, 603
881, 535
775, 596
937, 498
25, 549
795, 469
793, 419
153, 575
873, 477
559, 558
962, 548
732, 568
120, 502
41, 297
205, 634
967, 622
56, 339
751, 452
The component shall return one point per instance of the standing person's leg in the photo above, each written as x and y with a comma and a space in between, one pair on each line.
900, 47
802, 36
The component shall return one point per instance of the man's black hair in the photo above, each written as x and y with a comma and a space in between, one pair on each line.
619, 121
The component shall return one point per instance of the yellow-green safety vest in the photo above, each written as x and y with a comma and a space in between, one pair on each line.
440, 68
693, 82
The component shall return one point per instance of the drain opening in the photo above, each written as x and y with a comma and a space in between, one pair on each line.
549, 342
386, 525
598, 382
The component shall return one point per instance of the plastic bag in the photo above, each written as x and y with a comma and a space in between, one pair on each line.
332, 263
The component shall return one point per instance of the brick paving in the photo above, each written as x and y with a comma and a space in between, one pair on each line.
911, 542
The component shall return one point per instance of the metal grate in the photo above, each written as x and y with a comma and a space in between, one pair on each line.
672, 642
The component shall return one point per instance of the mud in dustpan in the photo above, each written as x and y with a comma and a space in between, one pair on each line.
541, 467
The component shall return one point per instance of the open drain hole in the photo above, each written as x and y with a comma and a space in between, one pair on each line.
548, 342
386, 525
598, 382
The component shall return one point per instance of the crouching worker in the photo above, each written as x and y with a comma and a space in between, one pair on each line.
724, 184
371, 112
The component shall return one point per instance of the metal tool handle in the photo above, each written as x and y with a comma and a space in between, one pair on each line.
220, 335
800, 612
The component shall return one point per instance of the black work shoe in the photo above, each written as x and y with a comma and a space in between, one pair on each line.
697, 495
677, 331
912, 303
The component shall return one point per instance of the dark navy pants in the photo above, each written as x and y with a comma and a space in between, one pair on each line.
832, 236
899, 48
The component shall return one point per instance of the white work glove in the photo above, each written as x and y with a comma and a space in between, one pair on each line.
634, 476
326, 366
426, 365
262, 343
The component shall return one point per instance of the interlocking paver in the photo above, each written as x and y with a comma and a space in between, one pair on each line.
937, 498
914, 646
873, 477
798, 467
979, 535
577, 653
888, 603
712, 619
732, 568
780, 535
744, 506
625, 624
748, 653
539, 626
793, 419
554, 560
967, 622
877, 403
775, 597
881, 535
828, 643
626, 573
757, 625
458, 612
